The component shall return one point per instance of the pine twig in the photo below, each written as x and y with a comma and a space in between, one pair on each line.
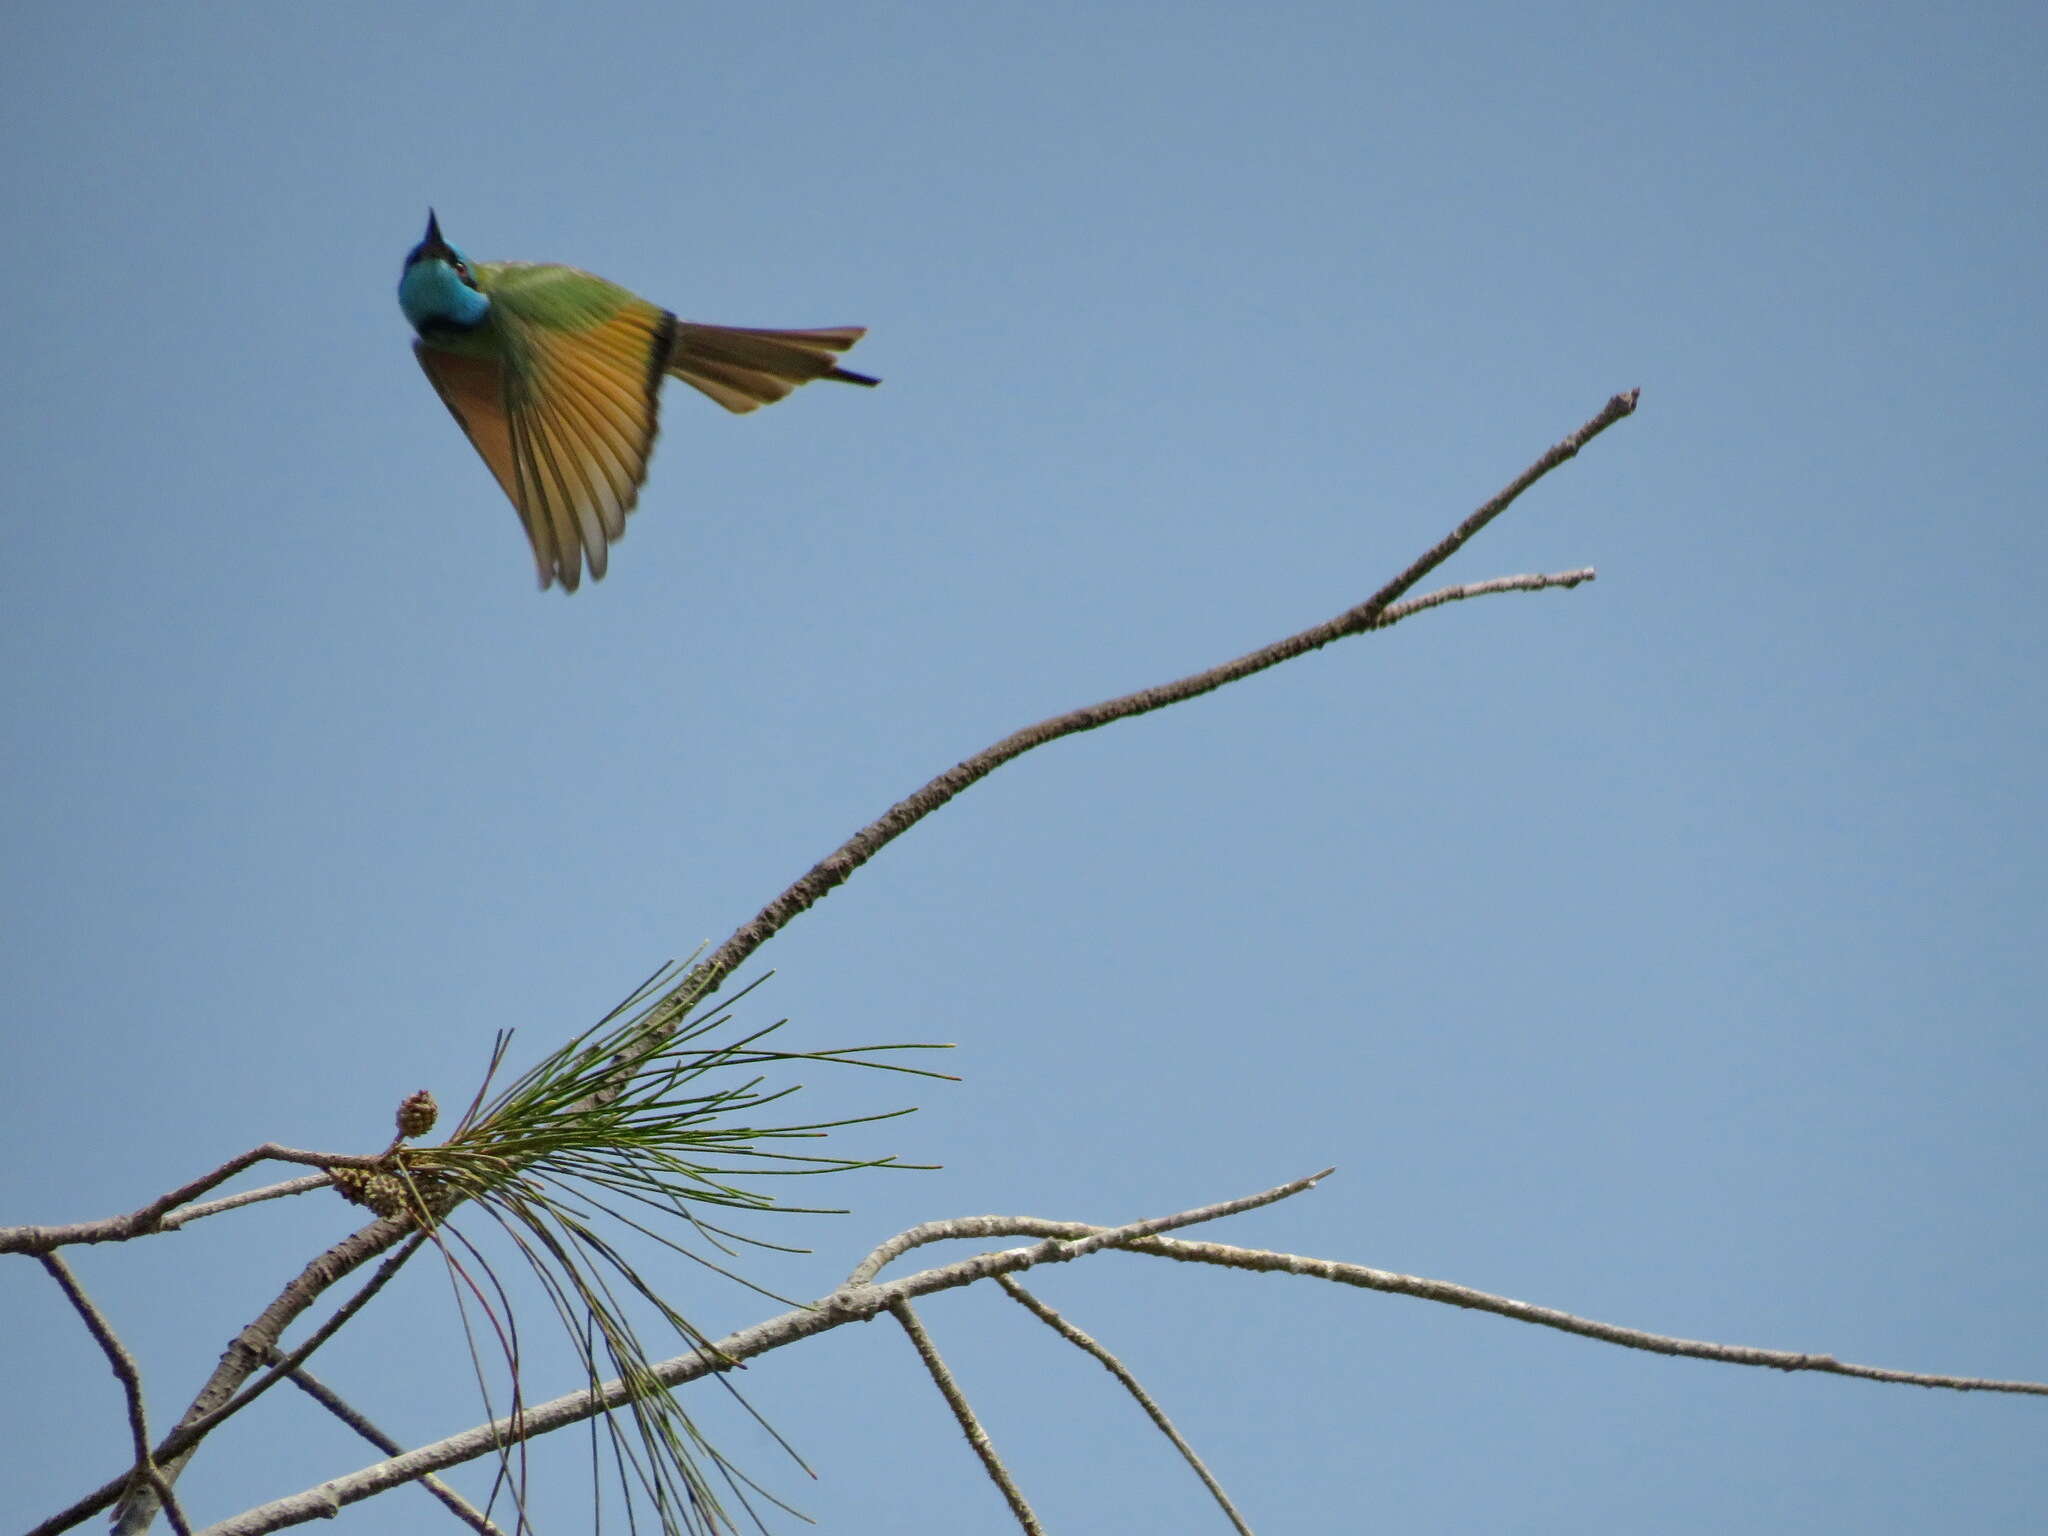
335, 1404
964, 1416
1130, 1384
162, 1214
1452, 1294
130, 1377
1379, 611
1449, 1293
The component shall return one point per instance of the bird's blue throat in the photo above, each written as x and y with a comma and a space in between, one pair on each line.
436, 300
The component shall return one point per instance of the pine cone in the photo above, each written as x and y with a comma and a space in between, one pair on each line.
385, 1194
381, 1192
350, 1183
416, 1116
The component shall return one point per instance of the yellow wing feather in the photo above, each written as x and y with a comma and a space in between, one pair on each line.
565, 415
567, 433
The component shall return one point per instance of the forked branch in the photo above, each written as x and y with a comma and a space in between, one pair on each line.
1060, 1241
848, 1305
1132, 1385
964, 1415
169, 1212
1379, 611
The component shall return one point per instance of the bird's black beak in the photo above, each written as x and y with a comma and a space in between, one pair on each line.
433, 241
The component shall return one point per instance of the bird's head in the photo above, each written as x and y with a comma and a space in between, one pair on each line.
437, 290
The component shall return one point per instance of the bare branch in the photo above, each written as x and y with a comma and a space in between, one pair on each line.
1565, 1322
1086, 1238
173, 1511
1131, 1384
333, 1402
191, 1213
1376, 612
964, 1416
852, 1304
1445, 1291
1560, 580
1068, 1240
130, 1377
157, 1216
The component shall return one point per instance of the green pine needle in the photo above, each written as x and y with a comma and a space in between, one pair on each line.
645, 1107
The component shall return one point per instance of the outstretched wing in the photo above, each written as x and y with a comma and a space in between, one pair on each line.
565, 417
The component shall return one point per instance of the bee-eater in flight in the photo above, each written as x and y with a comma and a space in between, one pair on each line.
555, 375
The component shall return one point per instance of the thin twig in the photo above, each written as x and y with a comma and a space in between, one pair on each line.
964, 1416
1455, 1295
130, 1377
1555, 581
1376, 612
168, 1500
1265, 1261
187, 1215
156, 1216
1131, 1384
333, 1402
1086, 1238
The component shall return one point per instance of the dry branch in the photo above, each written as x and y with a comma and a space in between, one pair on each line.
1061, 1241
1376, 612
1382, 609
964, 1415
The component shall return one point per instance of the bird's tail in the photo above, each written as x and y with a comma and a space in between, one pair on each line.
742, 368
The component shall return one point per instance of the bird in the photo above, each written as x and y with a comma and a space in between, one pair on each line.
555, 374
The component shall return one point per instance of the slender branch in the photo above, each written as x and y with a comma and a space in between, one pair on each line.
964, 1416
1376, 612
191, 1213
157, 1216
130, 1377
1455, 1295
1131, 1384
1556, 581
335, 1404
102, 1331
1264, 1261
1086, 1240
173, 1511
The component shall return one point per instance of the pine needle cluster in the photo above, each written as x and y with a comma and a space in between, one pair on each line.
643, 1123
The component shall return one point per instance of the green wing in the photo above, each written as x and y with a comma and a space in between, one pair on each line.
561, 405
558, 392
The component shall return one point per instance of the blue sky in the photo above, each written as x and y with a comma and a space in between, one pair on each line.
1669, 951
